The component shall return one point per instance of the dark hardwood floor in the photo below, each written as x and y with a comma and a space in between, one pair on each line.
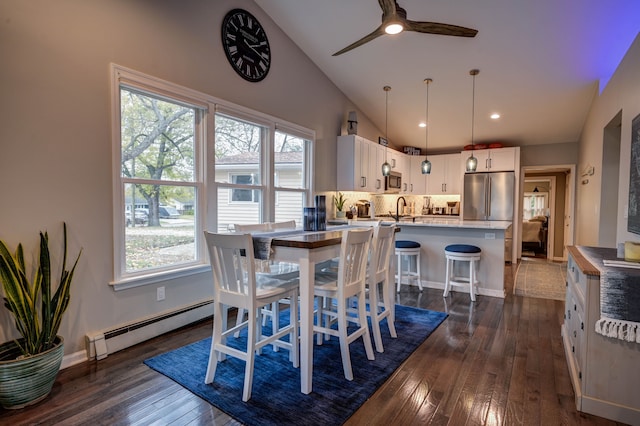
493, 362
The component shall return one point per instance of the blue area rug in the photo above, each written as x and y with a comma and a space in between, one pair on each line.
276, 398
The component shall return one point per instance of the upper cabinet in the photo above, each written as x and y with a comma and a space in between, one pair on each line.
416, 182
446, 175
359, 163
495, 160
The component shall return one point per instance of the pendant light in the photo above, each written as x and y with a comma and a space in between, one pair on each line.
472, 162
386, 167
426, 164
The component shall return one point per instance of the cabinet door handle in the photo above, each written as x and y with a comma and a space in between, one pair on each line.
378, 183
575, 307
573, 349
486, 164
581, 326
363, 181
568, 314
575, 333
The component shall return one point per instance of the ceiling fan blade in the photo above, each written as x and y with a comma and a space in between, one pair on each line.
377, 33
388, 6
437, 28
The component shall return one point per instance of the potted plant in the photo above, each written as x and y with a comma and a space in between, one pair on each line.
339, 203
30, 364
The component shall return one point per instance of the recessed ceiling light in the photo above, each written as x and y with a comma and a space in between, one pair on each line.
495, 116
422, 124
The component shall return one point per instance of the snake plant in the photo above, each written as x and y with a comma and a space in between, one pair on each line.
36, 308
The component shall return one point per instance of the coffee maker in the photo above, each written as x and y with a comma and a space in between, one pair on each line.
363, 207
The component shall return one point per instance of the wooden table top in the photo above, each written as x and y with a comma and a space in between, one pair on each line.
310, 240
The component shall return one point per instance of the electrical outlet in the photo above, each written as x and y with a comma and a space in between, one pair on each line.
489, 236
160, 293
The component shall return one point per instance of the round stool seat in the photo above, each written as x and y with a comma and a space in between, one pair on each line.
404, 244
408, 248
462, 248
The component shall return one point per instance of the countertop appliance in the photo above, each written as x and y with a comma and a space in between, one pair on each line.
488, 196
363, 208
393, 182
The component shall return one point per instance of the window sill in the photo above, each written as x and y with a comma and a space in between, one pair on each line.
158, 277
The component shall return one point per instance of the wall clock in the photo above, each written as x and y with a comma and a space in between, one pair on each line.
246, 45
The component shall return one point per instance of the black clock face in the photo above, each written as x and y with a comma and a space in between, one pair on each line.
245, 44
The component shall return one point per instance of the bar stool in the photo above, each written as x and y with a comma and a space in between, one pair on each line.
461, 253
408, 248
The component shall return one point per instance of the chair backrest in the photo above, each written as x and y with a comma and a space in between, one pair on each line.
242, 227
358, 222
352, 267
289, 224
232, 264
381, 249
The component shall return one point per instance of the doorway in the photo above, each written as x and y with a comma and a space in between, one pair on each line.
547, 211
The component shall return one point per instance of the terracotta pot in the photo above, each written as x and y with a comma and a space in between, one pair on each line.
29, 380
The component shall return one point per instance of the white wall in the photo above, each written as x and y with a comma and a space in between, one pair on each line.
55, 139
622, 93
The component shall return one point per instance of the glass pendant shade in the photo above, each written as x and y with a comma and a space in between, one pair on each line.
472, 163
386, 169
426, 167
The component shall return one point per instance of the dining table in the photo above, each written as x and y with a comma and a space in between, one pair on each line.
307, 249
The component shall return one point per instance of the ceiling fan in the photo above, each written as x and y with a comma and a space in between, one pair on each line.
394, 21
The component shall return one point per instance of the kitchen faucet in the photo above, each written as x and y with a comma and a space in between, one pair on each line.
404, 202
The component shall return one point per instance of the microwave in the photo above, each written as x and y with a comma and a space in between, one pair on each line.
393, 182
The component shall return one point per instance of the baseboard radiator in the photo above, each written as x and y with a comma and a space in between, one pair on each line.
100, 344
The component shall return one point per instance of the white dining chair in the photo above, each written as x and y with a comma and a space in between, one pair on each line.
251, 227
379, 286
349, 282
236, 284
278, 226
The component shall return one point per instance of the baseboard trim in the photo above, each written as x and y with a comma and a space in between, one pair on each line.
100, 344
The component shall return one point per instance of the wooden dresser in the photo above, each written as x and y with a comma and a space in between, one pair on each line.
605, 371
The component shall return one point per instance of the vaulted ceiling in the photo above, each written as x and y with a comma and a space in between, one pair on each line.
541, 64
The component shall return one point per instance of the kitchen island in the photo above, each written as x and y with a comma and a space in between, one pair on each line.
435, 234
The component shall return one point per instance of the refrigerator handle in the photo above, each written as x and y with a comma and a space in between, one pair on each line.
488, 199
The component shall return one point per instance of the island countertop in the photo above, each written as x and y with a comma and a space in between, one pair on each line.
441, 223
454, 223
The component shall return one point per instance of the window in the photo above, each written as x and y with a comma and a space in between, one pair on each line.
158, 181
248, 189
161, 134
244, 194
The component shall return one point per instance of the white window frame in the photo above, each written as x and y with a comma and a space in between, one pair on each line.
204, 174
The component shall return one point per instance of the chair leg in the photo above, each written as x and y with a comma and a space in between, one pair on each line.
472, 280
388, 305
239, 319
418, 271
220, 310
275, 321
252, 335
362, 317
375, 317
344, 340
447, 278
399, 268
294, 353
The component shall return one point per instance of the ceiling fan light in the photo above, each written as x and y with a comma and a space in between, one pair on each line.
426, 167
393, 27
472, 164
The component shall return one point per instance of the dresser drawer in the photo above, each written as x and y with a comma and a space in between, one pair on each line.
577, 281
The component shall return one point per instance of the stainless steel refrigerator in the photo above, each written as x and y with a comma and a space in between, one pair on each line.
489, 196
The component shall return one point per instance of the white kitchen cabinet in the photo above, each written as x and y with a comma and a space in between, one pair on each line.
446, 175
417, 181
357, 163
603, 370
494, 160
